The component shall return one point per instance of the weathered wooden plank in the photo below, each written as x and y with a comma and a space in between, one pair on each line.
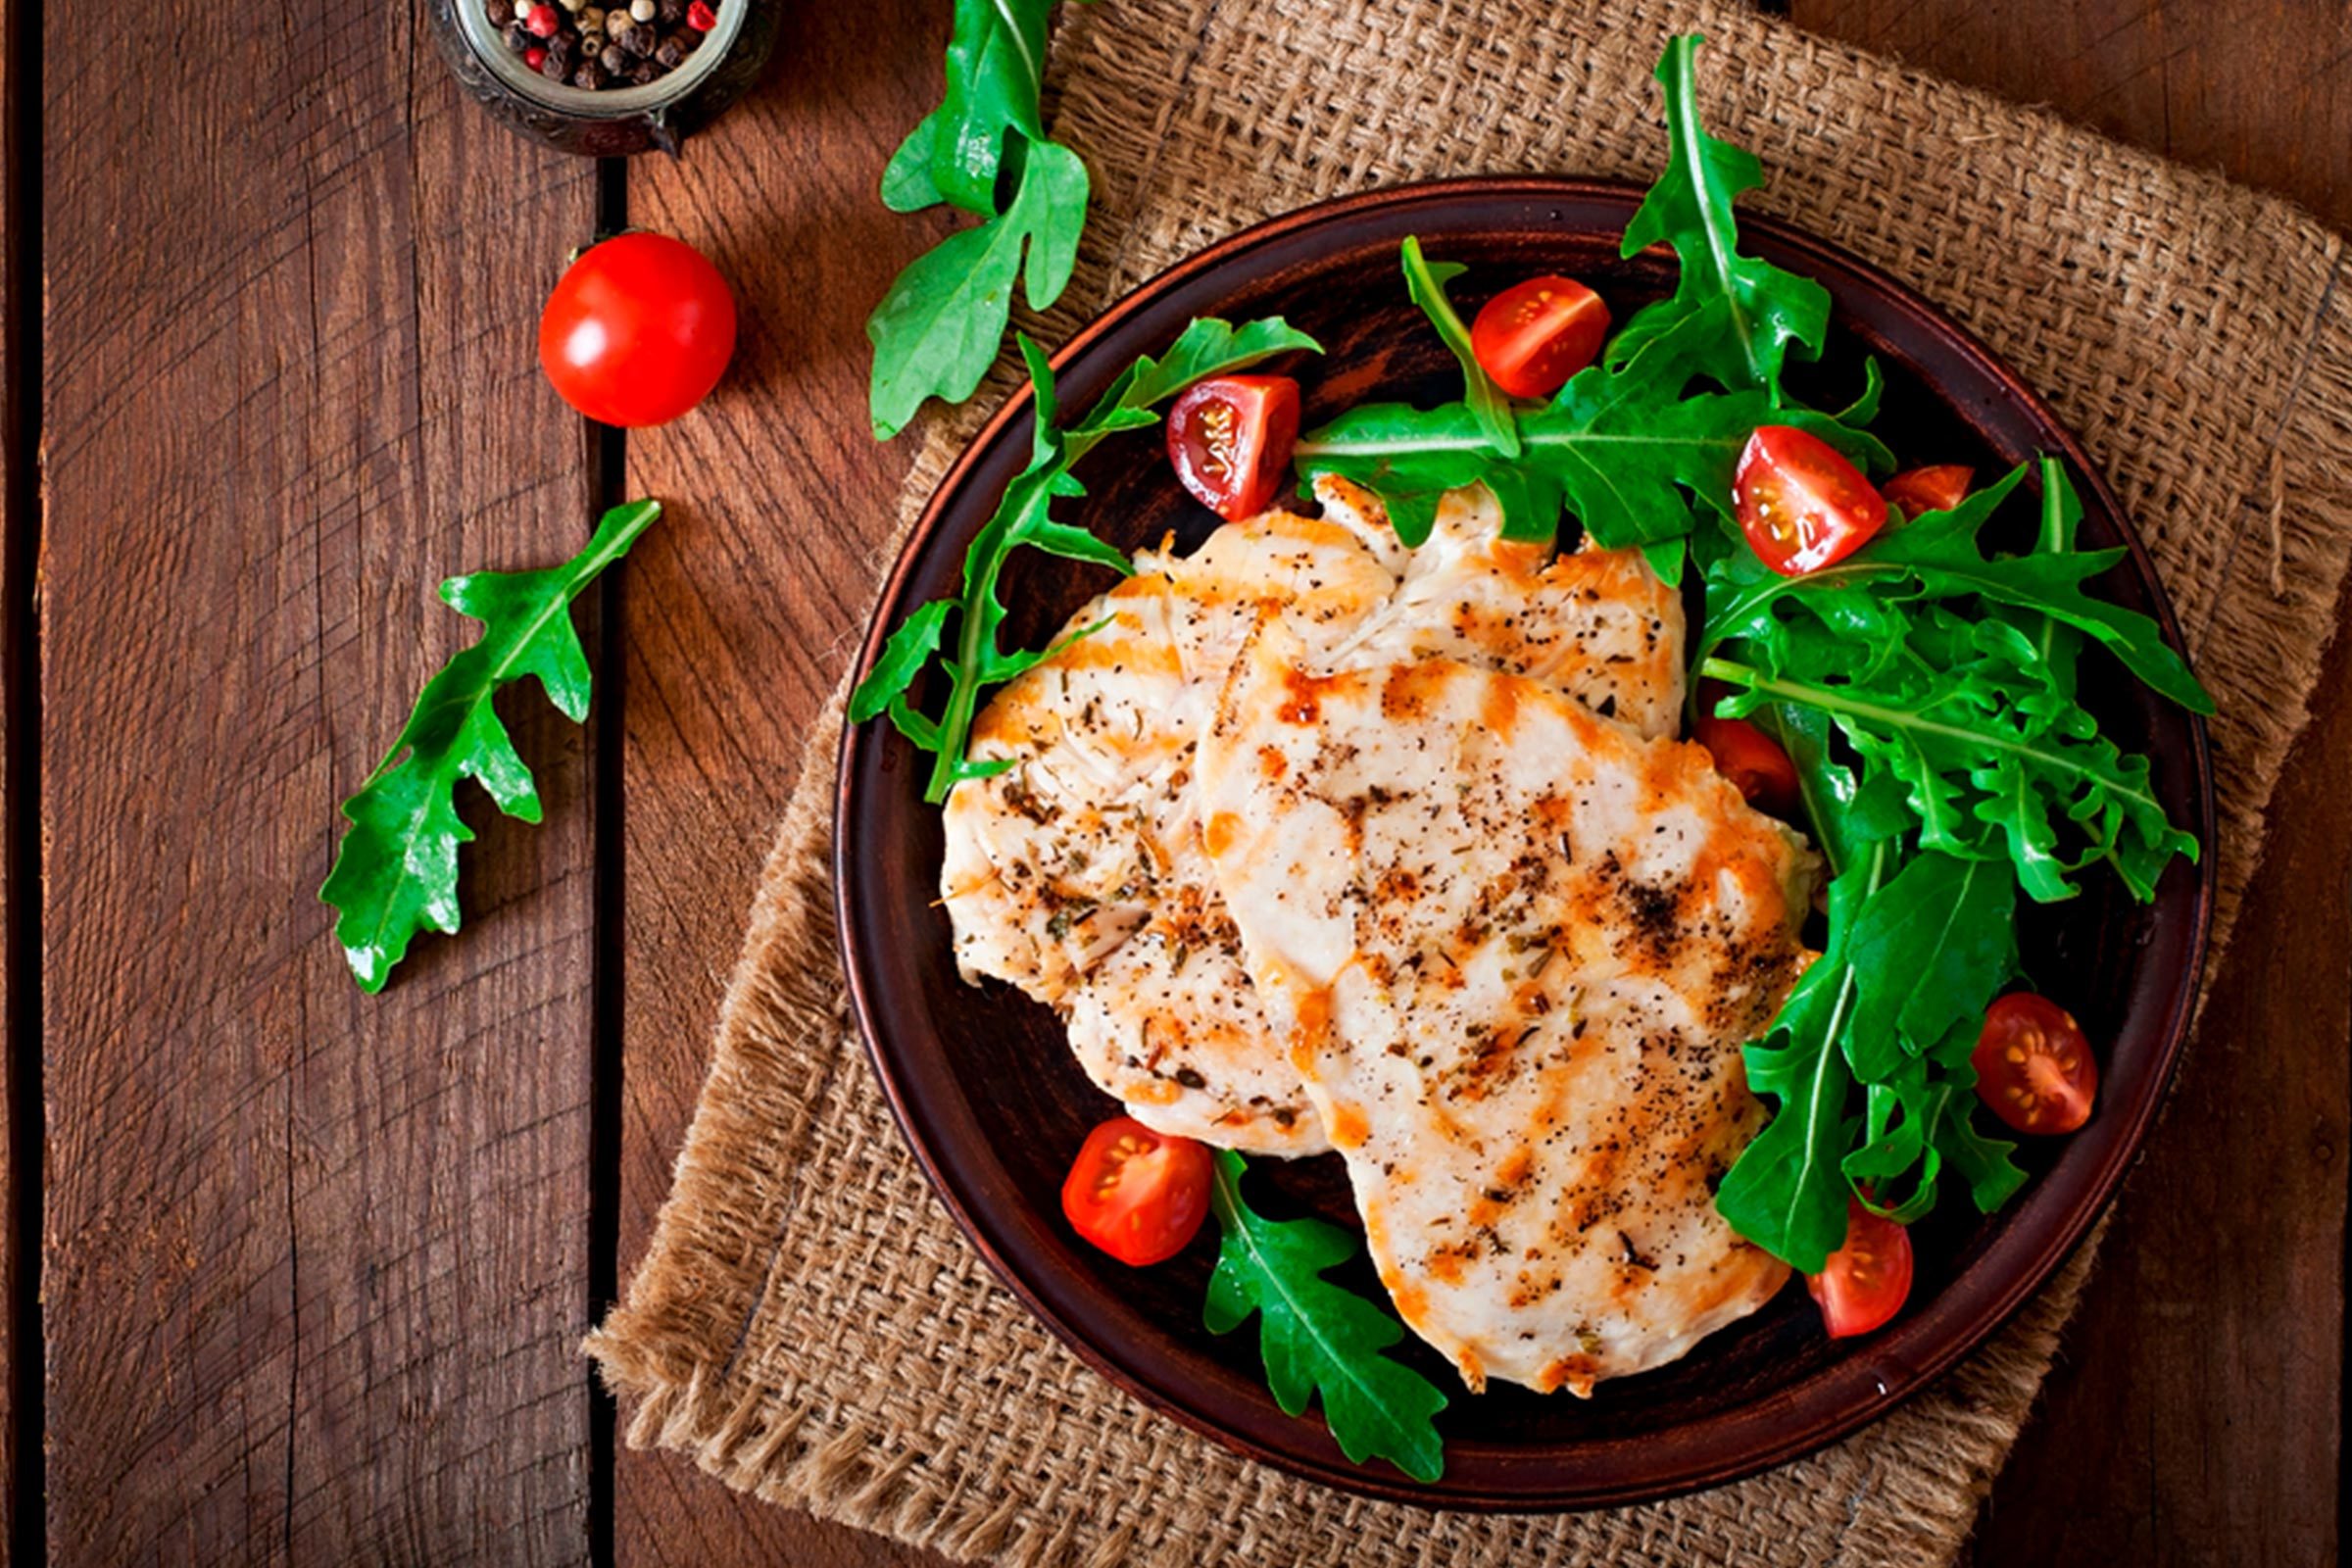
2257, 89
2196, 1413
316, 1263
737, 621
20, 524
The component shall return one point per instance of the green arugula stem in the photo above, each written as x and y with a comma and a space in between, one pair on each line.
607, 547
1829, 701
1225, 1200
1821, 1106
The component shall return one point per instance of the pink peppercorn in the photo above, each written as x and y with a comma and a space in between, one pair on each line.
700, 18
542, 21
534, 57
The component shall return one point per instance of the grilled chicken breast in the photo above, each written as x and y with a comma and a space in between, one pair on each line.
1079, 875
1515, 948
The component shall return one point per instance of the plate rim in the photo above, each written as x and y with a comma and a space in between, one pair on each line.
1896, 1380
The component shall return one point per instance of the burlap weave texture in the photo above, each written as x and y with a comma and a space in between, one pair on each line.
807, 1322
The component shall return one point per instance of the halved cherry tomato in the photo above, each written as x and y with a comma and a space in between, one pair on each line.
1802, 505
1752, 760
1938, 488
1865, 1280
1137, 1194
2034, 1066
1230, 438
1532, 338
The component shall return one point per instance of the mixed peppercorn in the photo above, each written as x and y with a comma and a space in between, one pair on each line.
585, 45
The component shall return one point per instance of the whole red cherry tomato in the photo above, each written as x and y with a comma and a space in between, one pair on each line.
638, 330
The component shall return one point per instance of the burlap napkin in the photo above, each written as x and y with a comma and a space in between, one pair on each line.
809, 1325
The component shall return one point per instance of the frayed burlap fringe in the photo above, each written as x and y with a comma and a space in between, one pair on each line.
808, 1323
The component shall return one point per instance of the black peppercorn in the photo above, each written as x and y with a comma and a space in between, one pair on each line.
669, 13
670, 52
639, 40
643, 72
558, 63
615, 60
590, 76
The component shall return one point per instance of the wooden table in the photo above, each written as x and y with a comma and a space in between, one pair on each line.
301, 1274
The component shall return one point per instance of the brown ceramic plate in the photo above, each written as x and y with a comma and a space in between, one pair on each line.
995, 1106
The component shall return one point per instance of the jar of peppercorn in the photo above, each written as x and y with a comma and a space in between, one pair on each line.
606, 80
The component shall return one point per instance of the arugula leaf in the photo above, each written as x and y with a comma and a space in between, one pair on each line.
936, 332
1317, 1337
1930, 951
396, 872
1848, 815
1786, 1191
1425, 281
1941, 552
1622, 450
1408, 457
983, 150
1984, 1164
1749, 311
1840, 1028
1915, 1123
996, 71
1207, 347
1992, 758
2061, 517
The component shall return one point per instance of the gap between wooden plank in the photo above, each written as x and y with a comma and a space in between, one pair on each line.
608, 1042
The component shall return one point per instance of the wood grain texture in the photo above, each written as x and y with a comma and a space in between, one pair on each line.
2196, 1413
316, 1263
19, 524
2260, 90
743, 610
